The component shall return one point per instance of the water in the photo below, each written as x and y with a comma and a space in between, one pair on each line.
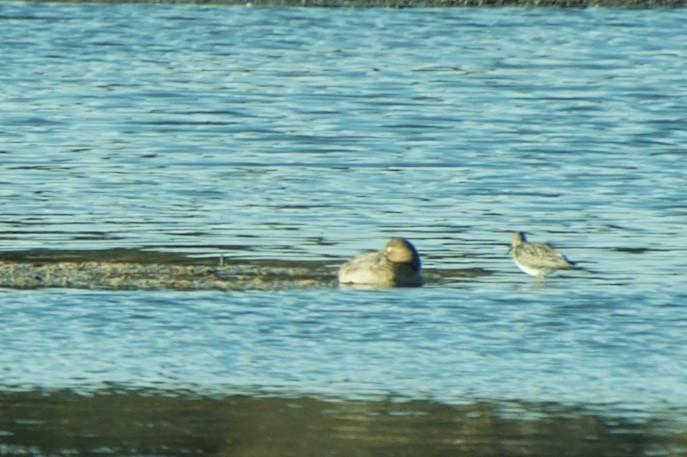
536, 346
313, 134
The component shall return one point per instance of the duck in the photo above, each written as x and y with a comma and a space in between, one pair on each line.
396, 265
537, 259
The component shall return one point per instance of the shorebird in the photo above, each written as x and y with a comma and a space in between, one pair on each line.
396, 265
537, 259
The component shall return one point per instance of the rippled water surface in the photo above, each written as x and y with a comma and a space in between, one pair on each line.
313, 134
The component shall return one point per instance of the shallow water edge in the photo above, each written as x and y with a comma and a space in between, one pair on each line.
415, 3
125, 269
171, 423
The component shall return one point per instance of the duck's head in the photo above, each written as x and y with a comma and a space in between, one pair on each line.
400, 250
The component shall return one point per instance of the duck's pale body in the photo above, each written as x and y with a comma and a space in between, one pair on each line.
396, 265
537, 259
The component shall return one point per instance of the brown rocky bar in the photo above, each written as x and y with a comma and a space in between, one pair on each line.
124, 269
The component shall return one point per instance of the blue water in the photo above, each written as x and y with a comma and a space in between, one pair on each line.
311, 134
574, 347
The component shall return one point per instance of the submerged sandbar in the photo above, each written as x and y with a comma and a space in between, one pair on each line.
175, 423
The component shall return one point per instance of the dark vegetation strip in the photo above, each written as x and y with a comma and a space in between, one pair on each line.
178, 423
